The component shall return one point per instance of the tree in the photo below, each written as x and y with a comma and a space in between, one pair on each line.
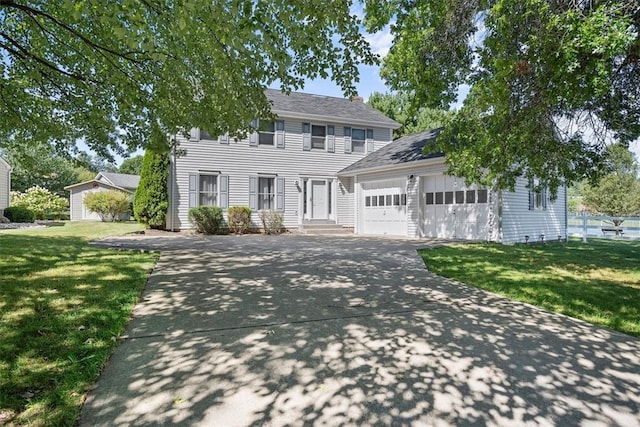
132, 165
617, 193
398, 107
39, 165
105, 72
109, 205
550, 82
95, 163
151, 200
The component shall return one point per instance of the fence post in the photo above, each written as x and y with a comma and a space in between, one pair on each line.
584, 226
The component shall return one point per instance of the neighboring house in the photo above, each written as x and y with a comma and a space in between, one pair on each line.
102, 182
331, 161
5, 184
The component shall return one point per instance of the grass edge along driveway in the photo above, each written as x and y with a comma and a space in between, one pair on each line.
63, 303
597, 281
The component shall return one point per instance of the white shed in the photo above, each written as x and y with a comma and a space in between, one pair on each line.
104, 181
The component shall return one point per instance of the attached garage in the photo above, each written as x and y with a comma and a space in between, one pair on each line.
453, 210
402, 189
384, 208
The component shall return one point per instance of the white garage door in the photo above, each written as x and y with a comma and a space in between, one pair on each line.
454, 210
384, 208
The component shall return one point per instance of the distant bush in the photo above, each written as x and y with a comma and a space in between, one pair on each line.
207, 219
110, 205
40, 201
19, 214
239, 219
272, 221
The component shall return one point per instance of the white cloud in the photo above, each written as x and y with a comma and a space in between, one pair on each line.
380, 42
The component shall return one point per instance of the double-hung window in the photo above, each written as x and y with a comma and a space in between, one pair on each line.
358, 140
318, 136
266, 193
208, 190
537, 195
266, 132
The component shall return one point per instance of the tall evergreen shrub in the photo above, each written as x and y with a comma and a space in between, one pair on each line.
151, 200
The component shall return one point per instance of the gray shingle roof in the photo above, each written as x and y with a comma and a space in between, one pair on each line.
122, 180
340, 109
403, 150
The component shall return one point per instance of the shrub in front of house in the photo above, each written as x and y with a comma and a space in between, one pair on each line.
19, 214
207, 219
239, 219
109, 205
151, 201
272, 221
40, 201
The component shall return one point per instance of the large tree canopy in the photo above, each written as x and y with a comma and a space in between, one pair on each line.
108, 72
397, 106
551, 81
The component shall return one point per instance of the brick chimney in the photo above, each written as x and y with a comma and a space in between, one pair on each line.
357, 98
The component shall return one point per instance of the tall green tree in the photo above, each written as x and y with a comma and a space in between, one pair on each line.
618, 192
39, 165
151, 200
551, 82
399, 107
132, 165
107, 71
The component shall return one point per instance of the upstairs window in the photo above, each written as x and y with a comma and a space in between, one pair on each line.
318, 136
537, 196
358, 140
266, 132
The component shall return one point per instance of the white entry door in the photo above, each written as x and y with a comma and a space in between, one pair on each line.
318, 199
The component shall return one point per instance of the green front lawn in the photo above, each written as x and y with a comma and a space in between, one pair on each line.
63, 303
598, 281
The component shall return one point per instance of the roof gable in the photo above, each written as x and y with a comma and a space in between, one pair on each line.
121, 180
338, 109
403, 150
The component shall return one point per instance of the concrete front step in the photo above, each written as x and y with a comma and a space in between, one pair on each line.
323, 227
333, 230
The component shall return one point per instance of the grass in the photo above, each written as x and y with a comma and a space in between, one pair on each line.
598, 281
63, 303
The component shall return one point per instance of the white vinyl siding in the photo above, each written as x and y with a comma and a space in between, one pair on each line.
240, 160
519, 221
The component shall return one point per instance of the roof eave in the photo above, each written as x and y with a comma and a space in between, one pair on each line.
395, 166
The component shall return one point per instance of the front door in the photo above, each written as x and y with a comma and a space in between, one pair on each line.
318, 199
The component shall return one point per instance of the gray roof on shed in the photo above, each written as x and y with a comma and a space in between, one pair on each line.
405, 149
340, 109
122, 180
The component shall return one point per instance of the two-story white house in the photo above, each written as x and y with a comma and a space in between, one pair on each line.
332, 161
288, 165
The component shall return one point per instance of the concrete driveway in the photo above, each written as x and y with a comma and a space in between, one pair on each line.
348, 331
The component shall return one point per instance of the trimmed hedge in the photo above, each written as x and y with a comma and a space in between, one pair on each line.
207, 219
19, 214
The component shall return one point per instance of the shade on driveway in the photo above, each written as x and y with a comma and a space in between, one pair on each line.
335, 331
